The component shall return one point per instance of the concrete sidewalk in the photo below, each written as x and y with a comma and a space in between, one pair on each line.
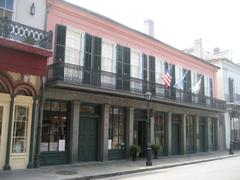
109, 168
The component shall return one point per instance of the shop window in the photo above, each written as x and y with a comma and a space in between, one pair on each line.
159, 127
213, 133
19, 142
190, 133
6, 8
1, 120
54, 128
116, 138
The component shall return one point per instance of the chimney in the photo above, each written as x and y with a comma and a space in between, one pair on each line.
149, 27
197, 48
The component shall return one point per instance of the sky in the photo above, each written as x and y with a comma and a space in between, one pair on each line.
178, 22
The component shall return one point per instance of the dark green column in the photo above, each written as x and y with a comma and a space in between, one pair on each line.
10, 121
39, 126
31, 153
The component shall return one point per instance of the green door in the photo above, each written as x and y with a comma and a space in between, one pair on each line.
201, 137
88, 143
175, 138
142, 137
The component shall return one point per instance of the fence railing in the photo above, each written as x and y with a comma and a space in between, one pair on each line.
23, 33
232, 98
80, 75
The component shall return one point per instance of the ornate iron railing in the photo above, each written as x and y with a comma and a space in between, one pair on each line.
23, 33
79, 75
232, 98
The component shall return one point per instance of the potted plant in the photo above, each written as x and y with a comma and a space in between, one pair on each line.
157, 148
135, 150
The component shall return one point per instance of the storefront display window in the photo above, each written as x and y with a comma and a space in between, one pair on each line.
20, 129
116, 138
190, 133
213, 133
54, 128
159, 126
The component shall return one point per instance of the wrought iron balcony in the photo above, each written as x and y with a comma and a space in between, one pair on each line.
26, 34
81, 76
232, 98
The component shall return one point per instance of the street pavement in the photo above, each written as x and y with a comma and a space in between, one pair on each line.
224, 169
90, 170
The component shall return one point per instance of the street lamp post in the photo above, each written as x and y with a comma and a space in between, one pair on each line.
148, 96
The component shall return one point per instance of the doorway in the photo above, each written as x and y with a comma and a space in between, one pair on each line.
88, 147
176, 134
202, 135
88, 130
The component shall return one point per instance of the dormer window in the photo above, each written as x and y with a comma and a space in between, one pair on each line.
6, 8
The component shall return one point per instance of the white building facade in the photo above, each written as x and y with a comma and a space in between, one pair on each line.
228, 88
28, 12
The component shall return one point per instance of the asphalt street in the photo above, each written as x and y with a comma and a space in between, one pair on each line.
226, 169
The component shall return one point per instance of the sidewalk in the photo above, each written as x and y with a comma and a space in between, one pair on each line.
109, 168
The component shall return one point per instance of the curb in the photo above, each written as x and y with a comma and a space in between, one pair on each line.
150, 169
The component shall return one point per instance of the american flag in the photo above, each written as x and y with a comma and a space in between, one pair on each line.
167, 78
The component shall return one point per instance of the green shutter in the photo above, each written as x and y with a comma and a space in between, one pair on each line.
144, 62
152, 68
60, 43
123, 68
92, 60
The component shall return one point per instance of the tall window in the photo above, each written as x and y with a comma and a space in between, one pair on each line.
107, 78
1, 120
190, 134
159, 127
6, 8
20, 128
107, 56
54, 127
73, 46
136, 71
117, 123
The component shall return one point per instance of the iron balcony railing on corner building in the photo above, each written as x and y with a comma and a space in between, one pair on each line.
232, 98
26, 34
82, 76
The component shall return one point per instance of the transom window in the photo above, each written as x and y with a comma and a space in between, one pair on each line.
6, 8
19, 143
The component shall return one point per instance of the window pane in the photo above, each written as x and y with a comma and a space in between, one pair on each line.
54, 127
20, 129
2, 3
117, 128
9, 4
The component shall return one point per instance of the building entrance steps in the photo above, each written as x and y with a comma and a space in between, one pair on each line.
110, 168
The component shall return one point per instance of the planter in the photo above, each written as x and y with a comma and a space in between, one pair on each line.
135, 150
156, 148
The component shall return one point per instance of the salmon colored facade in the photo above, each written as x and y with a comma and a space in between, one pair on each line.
64, 13
99, 79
